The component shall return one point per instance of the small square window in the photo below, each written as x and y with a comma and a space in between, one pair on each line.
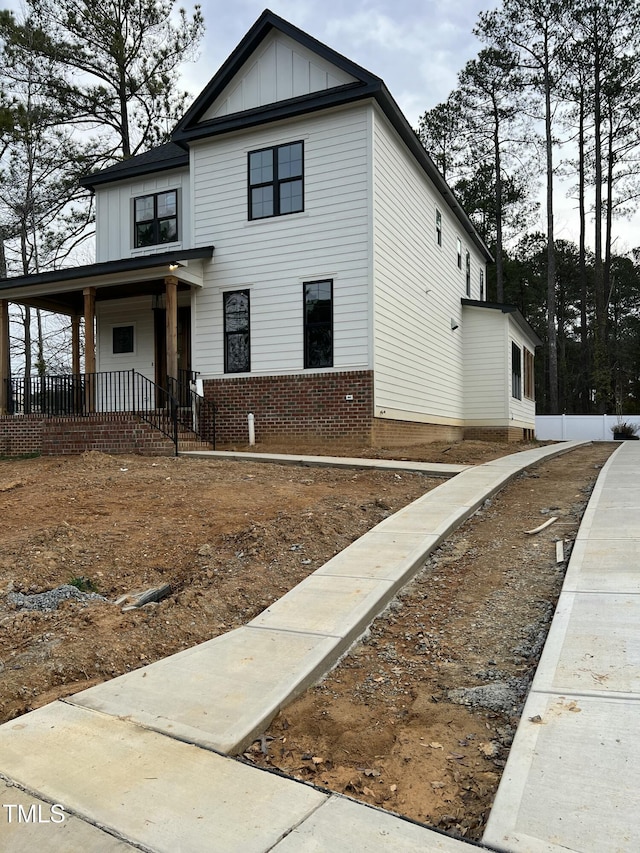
123, 339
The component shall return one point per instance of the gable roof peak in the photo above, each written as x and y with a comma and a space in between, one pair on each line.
202, 120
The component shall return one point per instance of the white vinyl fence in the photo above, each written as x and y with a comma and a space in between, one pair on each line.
587, 427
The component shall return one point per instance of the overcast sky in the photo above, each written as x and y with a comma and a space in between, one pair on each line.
416, 47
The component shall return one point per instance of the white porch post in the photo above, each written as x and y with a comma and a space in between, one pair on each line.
171, 290
4, 355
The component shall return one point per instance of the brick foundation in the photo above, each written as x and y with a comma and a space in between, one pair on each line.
108, 433
392, 433
498, 433
300, 406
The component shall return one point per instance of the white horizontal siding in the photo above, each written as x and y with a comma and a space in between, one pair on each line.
418, 359
114, 215
487, 377
520, 411
124, 312
273, 257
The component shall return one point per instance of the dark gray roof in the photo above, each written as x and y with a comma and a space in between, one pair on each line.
366, 85
168, 156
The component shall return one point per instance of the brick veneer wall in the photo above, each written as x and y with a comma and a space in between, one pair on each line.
304, 405
390, 433
108, 433
498, 433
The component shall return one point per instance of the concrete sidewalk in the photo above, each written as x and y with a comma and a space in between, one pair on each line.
433, 469
572, 780
126, 759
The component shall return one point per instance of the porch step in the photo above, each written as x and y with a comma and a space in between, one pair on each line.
188, 442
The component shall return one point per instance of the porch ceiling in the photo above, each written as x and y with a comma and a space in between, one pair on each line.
62, 291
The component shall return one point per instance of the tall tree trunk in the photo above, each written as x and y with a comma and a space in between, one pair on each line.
600, 350
585, 395
498, 168
551, 253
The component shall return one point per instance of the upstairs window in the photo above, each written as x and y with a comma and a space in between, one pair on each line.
459, 249
481, 285
438, 227
237, 347
516, 372
318, 324
276, 181
467, 262
155, 219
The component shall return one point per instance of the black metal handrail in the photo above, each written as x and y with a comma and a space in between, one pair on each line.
82, 394
196, 414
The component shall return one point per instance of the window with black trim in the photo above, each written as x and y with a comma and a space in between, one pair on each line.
276, 181
467, 262
237, 345
529, 375
481, 285
438, 227
123, 339
318, 324
155, 219
516, 371
459, 248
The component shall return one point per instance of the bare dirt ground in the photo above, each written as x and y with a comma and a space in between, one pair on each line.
232, 537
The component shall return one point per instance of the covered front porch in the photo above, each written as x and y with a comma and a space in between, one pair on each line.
137, 341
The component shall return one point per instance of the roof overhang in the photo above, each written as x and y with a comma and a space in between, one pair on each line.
61, 291
515, 315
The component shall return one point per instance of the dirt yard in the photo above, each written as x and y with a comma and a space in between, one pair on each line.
230, 538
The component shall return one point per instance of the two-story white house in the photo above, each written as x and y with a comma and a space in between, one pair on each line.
294, 247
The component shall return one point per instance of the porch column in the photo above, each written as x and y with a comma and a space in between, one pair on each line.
89, 337
171, 290
89, 347
75, 344
4, 355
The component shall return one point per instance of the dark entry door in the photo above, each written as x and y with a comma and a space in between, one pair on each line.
184, 343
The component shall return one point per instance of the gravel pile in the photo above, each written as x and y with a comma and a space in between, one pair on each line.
51, 599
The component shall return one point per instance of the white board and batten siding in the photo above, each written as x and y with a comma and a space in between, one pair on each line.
114, 214
273, 257
418, 286
280, 69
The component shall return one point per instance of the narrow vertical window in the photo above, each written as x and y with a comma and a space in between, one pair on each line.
459, 248
237, 349
481, 285
516, 372
318, 324
438, 227
467, 262
529, 375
